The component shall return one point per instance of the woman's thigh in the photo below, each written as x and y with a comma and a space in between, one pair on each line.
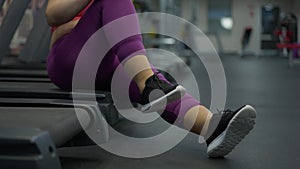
64, 53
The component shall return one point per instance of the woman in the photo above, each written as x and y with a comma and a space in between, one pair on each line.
74, 21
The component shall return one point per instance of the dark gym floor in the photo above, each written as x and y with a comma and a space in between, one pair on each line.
267, 83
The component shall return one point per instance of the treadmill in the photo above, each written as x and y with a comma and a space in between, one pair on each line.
31, 61
32, 123
30, 132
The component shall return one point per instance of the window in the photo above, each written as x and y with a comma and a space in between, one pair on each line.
219, 16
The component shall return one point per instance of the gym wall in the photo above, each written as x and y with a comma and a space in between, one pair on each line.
245, 13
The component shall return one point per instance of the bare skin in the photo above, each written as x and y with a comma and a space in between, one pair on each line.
62, 30
61, 12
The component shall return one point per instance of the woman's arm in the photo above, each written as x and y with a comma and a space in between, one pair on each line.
62, 11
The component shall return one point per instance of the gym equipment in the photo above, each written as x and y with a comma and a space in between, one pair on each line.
32, 149
293, 47
39, 91
37, 45
36, 48
287, 33
31, 98
42, 113
27, 147
290, 23
10, 24
33, 56
245, 41
1, 3
28, 140
23, 73
20, 79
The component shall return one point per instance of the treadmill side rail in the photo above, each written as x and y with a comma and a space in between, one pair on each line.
27, 148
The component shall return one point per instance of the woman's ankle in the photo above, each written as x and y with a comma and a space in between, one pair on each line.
139, 68
197, 119
141, 78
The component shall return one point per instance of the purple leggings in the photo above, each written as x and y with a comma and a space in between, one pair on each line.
64, 52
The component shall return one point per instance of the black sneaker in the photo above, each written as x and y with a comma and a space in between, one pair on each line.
232, 128
165, 94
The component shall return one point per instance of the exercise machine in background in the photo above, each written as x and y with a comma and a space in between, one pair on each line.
30, 62
245, 42
287, 33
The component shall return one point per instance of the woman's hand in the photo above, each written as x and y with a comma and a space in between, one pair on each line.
62, 11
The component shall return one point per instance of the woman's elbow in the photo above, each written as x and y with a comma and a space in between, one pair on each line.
53, 18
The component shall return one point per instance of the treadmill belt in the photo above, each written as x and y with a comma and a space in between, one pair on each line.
23, 73
24, 66
43, 90
24, 79
26, 85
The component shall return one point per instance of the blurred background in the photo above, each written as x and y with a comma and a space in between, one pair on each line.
224, 21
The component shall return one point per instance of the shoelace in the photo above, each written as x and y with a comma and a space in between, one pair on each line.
222, 112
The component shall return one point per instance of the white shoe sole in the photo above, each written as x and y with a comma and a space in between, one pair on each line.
239, 126
159, 103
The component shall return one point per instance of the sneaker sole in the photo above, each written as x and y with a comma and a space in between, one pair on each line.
159, 103
239, 126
